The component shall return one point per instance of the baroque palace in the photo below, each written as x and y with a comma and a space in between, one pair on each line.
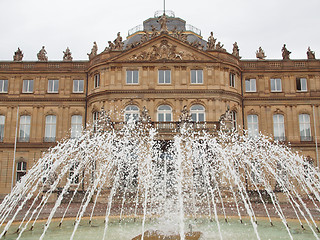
163, 67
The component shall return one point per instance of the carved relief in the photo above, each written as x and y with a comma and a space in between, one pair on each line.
164, 50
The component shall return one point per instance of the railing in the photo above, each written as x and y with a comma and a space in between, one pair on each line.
306, 138
23, 139
135, 29
193, 29
49, 139
169, 13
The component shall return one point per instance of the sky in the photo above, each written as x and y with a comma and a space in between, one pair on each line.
58, 24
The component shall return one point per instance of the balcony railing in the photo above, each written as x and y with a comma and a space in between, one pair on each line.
306, 138
49, 139
23, 139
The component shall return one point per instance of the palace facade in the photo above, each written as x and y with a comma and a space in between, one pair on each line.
163, 65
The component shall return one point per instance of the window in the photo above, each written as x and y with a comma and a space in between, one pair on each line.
197, 113
278, 127
305, 128
131, 113
301, 84
164, 113
24, 129
275, 84
197, 76
96, 80
251, 85
232, 78
164, 77
253, 125
234, 119
50, 131
2, 120
78, 86
132, 76
27, 86
76, 126
53, 86
3, 85
95, 116
74, 178
21, 170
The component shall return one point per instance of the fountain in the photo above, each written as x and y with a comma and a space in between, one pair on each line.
127, 176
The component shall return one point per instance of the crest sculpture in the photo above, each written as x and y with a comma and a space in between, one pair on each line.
285, 53
67, 55
260, 54
18, 55
94, 51
311, 54
42, 55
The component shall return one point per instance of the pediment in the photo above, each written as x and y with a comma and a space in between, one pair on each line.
164, 48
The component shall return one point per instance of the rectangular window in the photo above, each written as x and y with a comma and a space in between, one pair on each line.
3, 85
2, 120
24, 129
301, 84
197, 76
251, 85
76, 126
275, 84
27, 86
253, 125
278, 127
232, 78
78, 86
53, 86
305, 127
96, 80
164, 77
132, 77
21, 170
50, 131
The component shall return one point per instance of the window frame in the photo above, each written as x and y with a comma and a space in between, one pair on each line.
279, 131
130, 112
197, 113
196, 75
50, 128
78, 90
253, 127
2, 125
304, 126
21, 171
299, 84
275, 85
250, 80
4, 85
24, 126
53, 86
29, 87
96, 80
165, 113
232, 79
76, 126
134, 74
164, 71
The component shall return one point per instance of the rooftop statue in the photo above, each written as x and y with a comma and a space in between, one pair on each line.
154, 31
144, 37
18, 55
163, 22
67, 55
260, 54
219, 46
175, 32
211, 42
285, 53
94, 51
235, 50
42, 55
118, 44
311, 54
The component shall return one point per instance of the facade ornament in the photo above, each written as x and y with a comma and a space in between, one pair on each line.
110, 47
185, 115
67, 55
118, 44
211, 42
163, 23
94, 51
154, 31
235, 50
311, 54
42, 55
144, 37
260, 54
18, 55
175, 32
145, 117
219, 46
285, 53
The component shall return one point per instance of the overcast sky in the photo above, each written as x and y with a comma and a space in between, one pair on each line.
57, 24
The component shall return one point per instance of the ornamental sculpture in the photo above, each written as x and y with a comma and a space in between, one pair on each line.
219, 47
235, 50
285, 53
311, 54
260, 54
163, 23
42, 55
18, 55
94, 51
118, 44
211, 42
67, 55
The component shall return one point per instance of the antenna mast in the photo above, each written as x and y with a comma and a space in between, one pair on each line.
164, 6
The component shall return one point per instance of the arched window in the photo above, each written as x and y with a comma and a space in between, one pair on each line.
21, 170
24, 129
76, 126
2, 120
164, 113
305, 127
198, 113
131, 113
50, 131
278, 127
253, 125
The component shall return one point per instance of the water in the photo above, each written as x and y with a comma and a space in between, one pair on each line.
221, 179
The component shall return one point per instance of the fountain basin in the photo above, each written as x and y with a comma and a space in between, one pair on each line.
157, 235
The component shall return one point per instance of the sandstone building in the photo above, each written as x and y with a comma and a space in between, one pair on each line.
163, 66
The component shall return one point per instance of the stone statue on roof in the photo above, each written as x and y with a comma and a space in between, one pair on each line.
118, 44
163, 23
94, 51
235, 50
260, 54
211, 42
285, 53
219, 46
154, 31
311, 54
18, 55
67, 55
42, 55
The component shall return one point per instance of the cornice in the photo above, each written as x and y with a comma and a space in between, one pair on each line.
33, 99
280, 98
